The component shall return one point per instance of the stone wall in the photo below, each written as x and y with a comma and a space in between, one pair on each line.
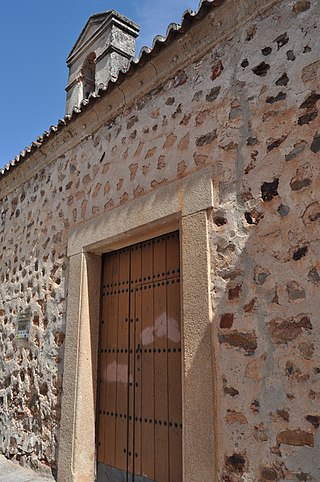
249, 108
265, 247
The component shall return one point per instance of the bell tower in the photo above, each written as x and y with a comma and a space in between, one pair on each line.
105, 45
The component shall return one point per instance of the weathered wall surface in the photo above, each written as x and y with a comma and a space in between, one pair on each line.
265, 248
249, 107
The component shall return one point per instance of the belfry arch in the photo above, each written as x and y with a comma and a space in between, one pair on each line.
89, 75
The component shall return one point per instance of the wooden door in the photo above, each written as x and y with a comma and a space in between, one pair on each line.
139, 417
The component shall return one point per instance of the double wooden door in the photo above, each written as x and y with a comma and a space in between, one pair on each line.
139, 416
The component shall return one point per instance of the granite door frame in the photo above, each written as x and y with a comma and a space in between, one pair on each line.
184, 205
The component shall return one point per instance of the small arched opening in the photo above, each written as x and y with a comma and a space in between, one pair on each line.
89, 74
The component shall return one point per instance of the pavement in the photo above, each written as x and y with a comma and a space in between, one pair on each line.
13, 472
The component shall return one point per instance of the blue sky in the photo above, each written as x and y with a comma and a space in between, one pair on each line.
35, 39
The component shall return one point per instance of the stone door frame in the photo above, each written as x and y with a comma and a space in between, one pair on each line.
183, 205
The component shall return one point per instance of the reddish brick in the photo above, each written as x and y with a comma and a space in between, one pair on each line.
246, 341
226, 320
216, 70
234, 293
297, 438
282, 331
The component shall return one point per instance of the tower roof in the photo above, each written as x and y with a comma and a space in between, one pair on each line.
97, 23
